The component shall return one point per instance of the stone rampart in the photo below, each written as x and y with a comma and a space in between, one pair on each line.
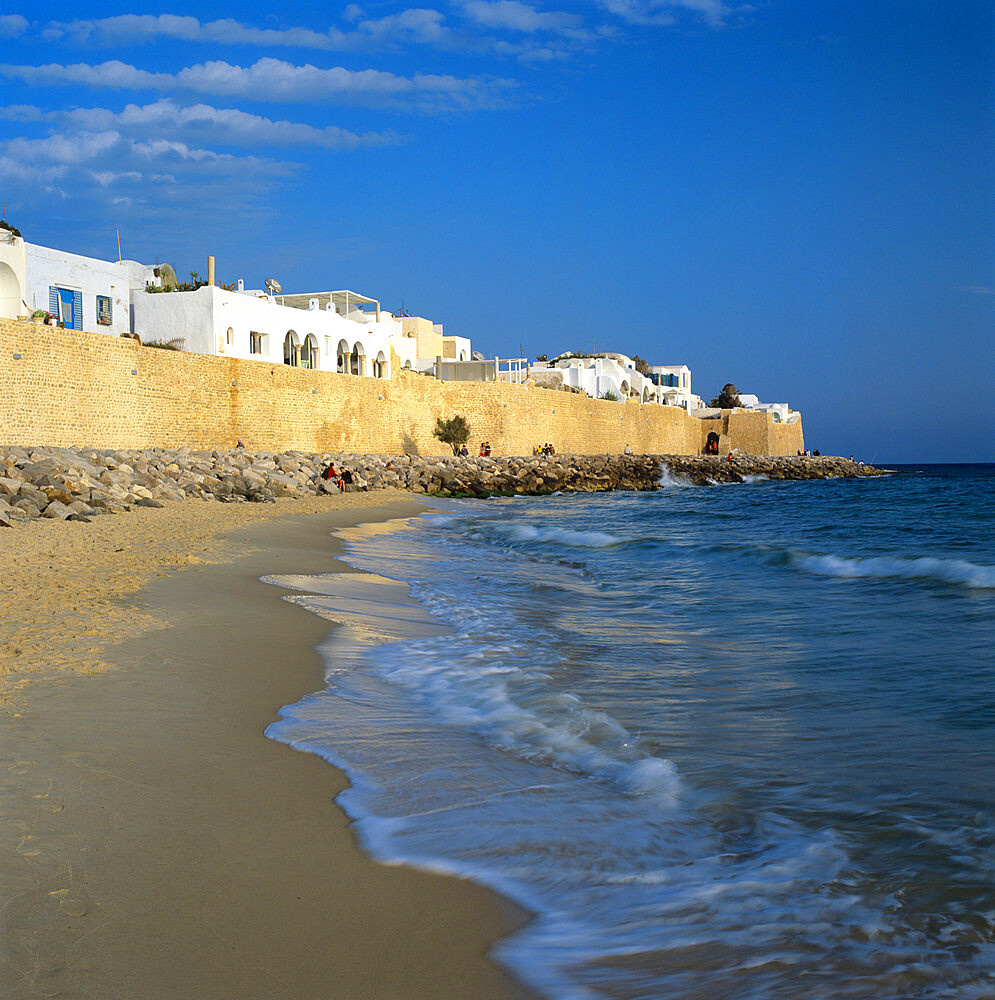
74, 388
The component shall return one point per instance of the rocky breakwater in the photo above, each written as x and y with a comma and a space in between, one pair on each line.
705, 470
79, 484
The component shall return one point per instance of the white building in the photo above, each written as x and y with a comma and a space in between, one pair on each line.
328, 331
13, 283
783, 413
615, 375
82, 292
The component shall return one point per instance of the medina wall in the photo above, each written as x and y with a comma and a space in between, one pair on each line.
73, 388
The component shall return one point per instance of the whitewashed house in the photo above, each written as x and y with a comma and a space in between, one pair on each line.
327, 331
615, 375
673, 384
83, 292
783, 414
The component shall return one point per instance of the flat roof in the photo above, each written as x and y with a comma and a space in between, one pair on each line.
344, 296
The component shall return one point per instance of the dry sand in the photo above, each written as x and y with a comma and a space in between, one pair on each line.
153, 842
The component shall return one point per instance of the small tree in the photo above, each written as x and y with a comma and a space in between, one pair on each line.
455, 432
643, 367
728, 398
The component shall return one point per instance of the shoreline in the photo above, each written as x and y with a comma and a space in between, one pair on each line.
81, 484
156, 842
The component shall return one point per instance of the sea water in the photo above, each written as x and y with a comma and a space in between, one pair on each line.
722, 742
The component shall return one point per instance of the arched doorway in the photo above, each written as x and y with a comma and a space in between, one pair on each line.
10, 292
342, 357
291, 349
380, 366
309, 352
357, 361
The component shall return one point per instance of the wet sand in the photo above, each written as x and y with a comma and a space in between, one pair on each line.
153, 842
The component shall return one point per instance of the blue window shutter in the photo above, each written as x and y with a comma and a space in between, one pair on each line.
53, 300
77, 310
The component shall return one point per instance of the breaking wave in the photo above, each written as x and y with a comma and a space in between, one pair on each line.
954, 571
560, 536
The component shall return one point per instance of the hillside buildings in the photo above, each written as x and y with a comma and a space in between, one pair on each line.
336, 331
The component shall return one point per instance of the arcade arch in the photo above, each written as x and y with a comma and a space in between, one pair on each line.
10, 292
291, 349
309, 352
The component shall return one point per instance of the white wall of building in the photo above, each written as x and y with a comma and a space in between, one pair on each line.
456, 349
13, 286
246, 325
617, 374
89, 278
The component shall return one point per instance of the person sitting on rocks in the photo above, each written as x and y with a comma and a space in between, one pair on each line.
464, 452
487, 449
628, 449
328, 472
482, 451
345, 479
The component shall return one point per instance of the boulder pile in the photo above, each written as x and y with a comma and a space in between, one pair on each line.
78, 484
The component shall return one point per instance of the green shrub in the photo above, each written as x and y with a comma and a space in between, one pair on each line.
455, 432
728, 398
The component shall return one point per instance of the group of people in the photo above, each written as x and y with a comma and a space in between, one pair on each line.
485, 449
342, 477
808, 454
544, 449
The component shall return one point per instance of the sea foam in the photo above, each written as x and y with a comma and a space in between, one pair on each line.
954, 571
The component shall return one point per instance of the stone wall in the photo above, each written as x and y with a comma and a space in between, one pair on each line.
69, 387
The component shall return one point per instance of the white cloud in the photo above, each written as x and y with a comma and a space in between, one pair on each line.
665, 12
224, 126
12, 25
99, 165
275, 80
515, 16
416, 25
979, 290
413, 25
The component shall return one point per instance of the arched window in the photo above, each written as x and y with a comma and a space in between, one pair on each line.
357, 360
229, 336
291, 349
309, 352
380, 366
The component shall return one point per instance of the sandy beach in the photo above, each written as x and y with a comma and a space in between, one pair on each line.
154, 842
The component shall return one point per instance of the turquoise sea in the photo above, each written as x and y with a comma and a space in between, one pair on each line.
722, 742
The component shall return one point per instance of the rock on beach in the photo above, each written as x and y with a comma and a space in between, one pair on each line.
81, 483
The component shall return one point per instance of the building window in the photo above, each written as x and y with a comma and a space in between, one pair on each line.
229, 336
67, 304
104, 310
257, 342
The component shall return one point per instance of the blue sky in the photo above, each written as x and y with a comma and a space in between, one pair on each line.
798, 197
